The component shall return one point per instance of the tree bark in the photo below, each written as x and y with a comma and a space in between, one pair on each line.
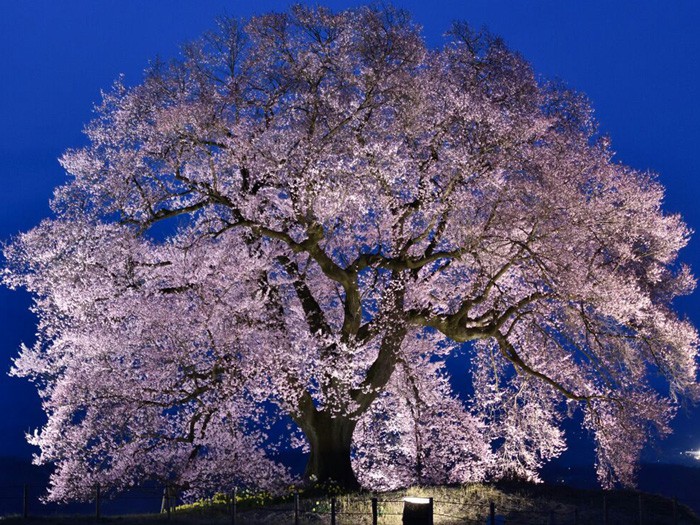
330, 439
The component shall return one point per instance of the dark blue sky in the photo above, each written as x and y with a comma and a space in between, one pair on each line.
636, 60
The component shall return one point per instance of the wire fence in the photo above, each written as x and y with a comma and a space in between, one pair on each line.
388, 511
163, 503
27, 500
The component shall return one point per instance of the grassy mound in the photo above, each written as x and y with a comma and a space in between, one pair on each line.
514, 504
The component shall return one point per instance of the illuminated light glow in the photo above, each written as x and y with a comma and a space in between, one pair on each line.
695, 454
421, 501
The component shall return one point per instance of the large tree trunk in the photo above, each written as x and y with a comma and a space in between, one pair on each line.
330, 439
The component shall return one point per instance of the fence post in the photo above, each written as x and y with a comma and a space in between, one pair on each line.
233, 505
296, 508
167, 500
333, 511
605, 509
375, 511
97, 501
492, 513
25, 502
430, 504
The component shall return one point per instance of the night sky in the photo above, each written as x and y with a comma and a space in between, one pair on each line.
636, 60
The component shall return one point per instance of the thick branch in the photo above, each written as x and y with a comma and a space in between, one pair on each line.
312, 310
380, 371
400, 263
461, 328
382, 368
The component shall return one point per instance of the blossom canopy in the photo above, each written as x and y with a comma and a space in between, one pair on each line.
300, 221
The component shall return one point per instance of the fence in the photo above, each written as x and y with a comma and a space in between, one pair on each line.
22, 500
380, 511
25, 501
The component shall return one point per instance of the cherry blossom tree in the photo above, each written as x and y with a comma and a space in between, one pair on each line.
301, 222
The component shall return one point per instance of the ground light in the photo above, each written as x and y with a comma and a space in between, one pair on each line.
417, 511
